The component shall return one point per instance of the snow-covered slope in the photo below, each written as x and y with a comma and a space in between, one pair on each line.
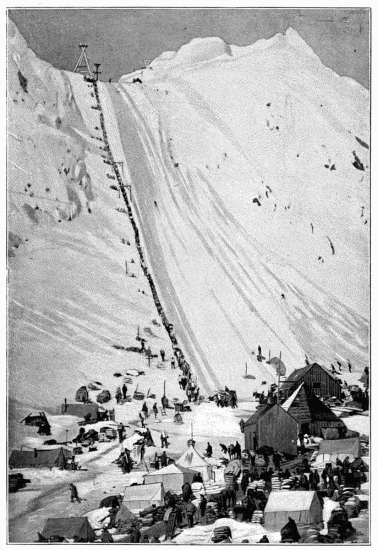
71, 297
258, 161
249, 170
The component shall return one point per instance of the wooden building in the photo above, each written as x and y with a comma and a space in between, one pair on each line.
273, 426
318, 380
311, 413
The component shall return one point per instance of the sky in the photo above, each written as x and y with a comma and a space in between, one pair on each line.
121, 39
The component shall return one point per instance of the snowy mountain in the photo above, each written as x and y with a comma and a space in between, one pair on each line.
249, 170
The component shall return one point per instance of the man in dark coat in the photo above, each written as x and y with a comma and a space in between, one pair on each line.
314, 479
124, 391
209, 450
237, 450
135, 533
164, 460
276, 459
74, 493
120, 430
186, 491
190, 512
202, 505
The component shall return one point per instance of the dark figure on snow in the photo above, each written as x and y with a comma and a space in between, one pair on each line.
264, 540
145, 409
186, 491
118, 395
162, 353
259, 350
164, 459
289, 532
209, 450
190, 512
74, 493
142, 420
120, 430
124, 390
164, 439
125, 463
155, 410
202, 506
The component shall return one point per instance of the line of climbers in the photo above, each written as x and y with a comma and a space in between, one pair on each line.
182, 363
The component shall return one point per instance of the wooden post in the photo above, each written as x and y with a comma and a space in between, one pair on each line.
66, 437
278, 396
149, 357
246, 370
269, 355
164, 387
126, 268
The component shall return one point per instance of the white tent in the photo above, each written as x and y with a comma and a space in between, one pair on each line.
131, 441
192, 459
302, 506
172, 477
330, 450
139, 497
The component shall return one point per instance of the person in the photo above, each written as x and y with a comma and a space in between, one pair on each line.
171, 519
142, 420
276, 459
74, 493
209, 450
314, 479
242, 425
188, 392
125, 463
304, 482
180, 380
349, 367
135, 533
186, 491
106, 537
264, 540
259, 350
190, 512
197, 478
145, 409
202, 505
124, 391
120, 430
164, 439
172, 363
164, 459
162, 352
289, 532
252, 458
327, 476
155, 410
154, 540
237, 450
346, 464
118, 395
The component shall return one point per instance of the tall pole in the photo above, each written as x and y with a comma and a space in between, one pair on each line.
246, 370
164, 387
278, 397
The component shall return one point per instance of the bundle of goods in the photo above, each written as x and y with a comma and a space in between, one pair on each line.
259, 485
312, 535
229, 478
221, 533
211, 513
147, 520
352, 507
286, 485
104, 396
257, 517
16, 482
212, 488
345, 493
197, 489
276, 484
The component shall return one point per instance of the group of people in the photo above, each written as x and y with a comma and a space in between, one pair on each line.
351, 474
121, 393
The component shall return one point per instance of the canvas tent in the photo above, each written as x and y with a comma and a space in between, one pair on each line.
139, 497
69, 528
192, 459
124, 515
330, 450
172, 477
302, 506
40, 458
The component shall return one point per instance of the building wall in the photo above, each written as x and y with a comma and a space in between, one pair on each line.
319, 381
278, 429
